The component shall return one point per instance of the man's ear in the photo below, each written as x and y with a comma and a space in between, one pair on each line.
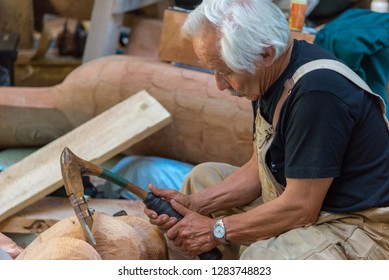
268, 56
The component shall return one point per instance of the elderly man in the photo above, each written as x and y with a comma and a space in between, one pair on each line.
317, 185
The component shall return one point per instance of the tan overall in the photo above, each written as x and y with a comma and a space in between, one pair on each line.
358, 235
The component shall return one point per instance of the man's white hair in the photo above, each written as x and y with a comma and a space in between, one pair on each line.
246, 27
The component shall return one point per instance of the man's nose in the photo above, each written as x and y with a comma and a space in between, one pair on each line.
221, 82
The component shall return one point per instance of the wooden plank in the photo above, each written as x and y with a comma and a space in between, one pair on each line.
97, 140
49, 210
175, 48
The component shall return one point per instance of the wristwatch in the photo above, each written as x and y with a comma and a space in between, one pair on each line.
220, 232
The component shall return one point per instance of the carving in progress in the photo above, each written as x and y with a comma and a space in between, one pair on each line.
117, 238
203, 116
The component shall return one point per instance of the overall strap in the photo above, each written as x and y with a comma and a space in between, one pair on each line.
341, 69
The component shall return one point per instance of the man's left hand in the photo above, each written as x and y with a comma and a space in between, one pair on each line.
194, 233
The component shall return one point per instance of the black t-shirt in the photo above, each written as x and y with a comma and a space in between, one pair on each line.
328, 127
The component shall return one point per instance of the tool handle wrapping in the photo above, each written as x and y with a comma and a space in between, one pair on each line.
214, 254
161, 206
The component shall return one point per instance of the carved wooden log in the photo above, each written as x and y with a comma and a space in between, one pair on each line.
207, 124
150, 236
60, 248
117, 238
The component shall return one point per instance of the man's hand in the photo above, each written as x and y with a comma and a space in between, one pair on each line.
194, 233
163, 221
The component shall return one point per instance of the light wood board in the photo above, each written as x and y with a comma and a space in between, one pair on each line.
97, 140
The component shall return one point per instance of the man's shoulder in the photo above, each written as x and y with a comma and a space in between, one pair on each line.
325, 85
329, 81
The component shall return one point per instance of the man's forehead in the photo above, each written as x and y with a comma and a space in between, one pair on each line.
207, 50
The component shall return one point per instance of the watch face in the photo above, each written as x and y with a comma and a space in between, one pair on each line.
218, 231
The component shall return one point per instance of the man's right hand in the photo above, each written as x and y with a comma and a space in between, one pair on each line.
163, 221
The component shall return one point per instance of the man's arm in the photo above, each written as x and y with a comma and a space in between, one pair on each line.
298, 206
238, 189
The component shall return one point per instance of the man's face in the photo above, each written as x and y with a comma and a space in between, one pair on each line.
242, 84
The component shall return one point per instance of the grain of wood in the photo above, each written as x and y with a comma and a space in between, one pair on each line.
149, 235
